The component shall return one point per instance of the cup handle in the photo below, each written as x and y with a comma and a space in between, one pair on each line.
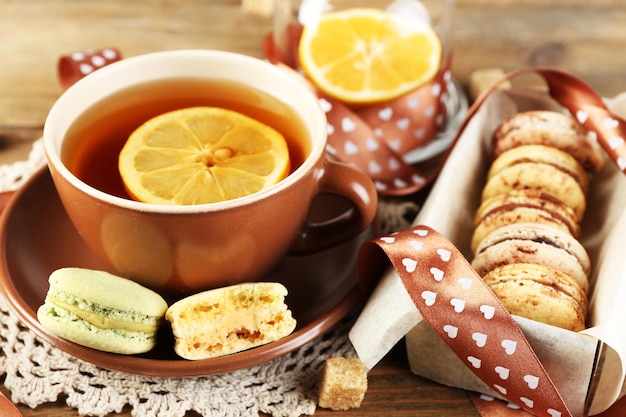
350, 183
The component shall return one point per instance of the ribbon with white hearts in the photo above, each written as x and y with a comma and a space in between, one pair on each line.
489, 406
375, 137
466, 314
591, 112
584, 104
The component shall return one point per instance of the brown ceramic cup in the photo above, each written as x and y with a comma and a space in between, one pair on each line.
182, 249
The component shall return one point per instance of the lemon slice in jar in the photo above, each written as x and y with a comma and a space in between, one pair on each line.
366, 55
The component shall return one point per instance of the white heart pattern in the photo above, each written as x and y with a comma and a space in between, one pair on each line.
610, 123
451, 331
416, 244
109, 53
350, 148
615, 142
348, 125
502, 372
553, 412
98, 61
621, 163
480, 339
488, 311
512, 406
458, 304
403, 123
439, 119
388, 239
435, 90
437, 273
532, 381
409, 265
582, 116
419, 133
85, 68
380, 186
395, 144
394, 165
509, 346
465, 283
500, 388
444, 254
418, 179
374, 168
385, 114
371, 144
429, 297
325, 105
399, 183
527, 402
476, 363
421, 232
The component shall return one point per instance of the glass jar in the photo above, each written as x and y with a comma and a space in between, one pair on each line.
415, 127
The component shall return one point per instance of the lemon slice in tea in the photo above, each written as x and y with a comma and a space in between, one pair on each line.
201, 155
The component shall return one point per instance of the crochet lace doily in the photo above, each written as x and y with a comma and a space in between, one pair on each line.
36, 373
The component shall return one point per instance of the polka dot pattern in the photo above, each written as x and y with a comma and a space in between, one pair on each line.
75, 66
459, 306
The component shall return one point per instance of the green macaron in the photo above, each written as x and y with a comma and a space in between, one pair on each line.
102, 311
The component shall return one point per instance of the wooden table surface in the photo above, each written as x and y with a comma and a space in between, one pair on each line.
585, 38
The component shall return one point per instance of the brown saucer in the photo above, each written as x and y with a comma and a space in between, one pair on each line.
37, 237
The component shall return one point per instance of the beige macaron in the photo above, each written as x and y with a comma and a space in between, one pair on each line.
550, 128
522, 206
540, 293
526, 168
534, 244
230, 319
543, 155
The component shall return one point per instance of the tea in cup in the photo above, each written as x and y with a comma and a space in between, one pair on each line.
191, 247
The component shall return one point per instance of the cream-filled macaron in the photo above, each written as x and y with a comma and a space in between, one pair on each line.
230, 319
542, 169
542, 154
540, 293
522, 206
533, 244
550, 128
102, 311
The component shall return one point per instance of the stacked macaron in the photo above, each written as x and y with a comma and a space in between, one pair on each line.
526, 230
